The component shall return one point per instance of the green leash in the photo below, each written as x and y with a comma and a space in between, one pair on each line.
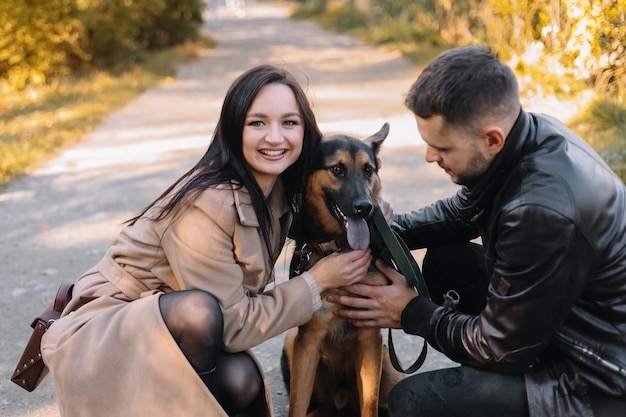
396, 253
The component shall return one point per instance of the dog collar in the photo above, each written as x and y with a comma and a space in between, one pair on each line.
325, 248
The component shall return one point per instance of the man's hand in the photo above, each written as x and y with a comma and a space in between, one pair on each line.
382, 305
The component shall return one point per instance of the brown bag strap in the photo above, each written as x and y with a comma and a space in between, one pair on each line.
61, 300
63, 297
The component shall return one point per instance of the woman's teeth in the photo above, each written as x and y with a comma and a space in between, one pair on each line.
272, 153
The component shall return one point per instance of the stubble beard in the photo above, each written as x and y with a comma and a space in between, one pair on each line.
476, 167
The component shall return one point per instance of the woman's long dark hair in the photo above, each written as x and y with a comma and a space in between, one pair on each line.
224, 162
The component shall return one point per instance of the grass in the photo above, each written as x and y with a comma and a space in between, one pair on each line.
37, 123
603, 125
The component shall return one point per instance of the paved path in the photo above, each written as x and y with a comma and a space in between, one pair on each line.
58, 222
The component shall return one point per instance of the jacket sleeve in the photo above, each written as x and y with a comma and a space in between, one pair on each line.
539, 272
444, 222
209, 249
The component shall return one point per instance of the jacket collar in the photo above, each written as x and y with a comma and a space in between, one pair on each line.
245, 210
479, 194
508, 156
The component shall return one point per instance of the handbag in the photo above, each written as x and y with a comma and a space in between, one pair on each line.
31, 370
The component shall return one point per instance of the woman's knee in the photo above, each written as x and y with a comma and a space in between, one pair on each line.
195, 321
192, 311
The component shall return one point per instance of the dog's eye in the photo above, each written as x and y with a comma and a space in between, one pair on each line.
336, 170
369, 171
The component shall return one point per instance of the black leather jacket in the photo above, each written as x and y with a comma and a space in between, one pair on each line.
552, 218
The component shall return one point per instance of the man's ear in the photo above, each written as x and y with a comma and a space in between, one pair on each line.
495, 138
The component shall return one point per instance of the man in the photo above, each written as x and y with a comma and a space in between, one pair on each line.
540, 329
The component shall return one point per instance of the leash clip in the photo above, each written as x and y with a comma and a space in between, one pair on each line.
305, 257
451, 299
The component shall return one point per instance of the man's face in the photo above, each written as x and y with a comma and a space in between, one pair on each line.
462, 156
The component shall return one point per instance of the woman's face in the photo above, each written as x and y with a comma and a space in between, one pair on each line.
273, 133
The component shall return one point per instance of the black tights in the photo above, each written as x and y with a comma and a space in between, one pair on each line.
194, 318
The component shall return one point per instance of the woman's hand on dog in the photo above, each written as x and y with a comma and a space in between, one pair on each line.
341, 269
376, 306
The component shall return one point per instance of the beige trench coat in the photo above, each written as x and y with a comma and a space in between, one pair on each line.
112, 357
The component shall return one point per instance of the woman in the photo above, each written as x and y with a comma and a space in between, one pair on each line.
163, 324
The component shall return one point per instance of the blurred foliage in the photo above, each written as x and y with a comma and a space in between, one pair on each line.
603, 125
44, 39
580, 40
118, 29
38, 39
333, 16
557, 47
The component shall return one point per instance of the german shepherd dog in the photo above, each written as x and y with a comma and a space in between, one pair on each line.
331, 367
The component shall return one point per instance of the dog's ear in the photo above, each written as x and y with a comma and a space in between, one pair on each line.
377, 139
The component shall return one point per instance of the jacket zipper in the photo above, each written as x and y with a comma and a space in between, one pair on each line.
593, 355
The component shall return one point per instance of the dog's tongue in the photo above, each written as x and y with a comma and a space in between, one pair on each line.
358, 233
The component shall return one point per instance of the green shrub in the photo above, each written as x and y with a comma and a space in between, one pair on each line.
332, 16
118, 29
400, 30
603, 125
309, 10
40, 39
344, 19
179, 22
37, 40
113, 27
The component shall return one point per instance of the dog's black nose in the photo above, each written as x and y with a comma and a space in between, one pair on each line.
362, 208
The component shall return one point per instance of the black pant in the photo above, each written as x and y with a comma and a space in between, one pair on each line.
459, 392
466, 391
